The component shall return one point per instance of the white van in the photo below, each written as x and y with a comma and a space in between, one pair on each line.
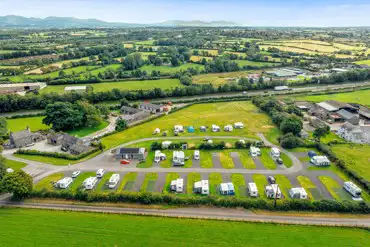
252, 190
90, 183
100, 173
113, 181
275, 152
196, 155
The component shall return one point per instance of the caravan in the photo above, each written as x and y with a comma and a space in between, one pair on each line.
298, 193
252, 190
228, 128
90, 183
196, 155
159, 156
275, 152
254, 151
64, 183
215, 128
227, 189
273, 191
113, 181
179, 128
177, 185
178, 158
353, 189
100, 173
320, 161
201, 187
238, 125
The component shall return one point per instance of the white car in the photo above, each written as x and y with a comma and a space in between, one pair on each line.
75, 174
100, 173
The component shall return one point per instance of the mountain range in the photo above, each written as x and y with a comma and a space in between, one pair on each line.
13, 21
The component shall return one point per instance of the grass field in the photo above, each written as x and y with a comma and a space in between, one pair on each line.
199, 58
367, 62
127, 181
217, 79
256, 64
191, 179
169, 70
307, 184
18, 228
266, 159
170, 176
16, 165
88, 130
246, 159
330, 185
239, 185
148, 182
359, 97
261, 181
34, 123
47, 183
284, 185
201, 114
215, 179
122, 85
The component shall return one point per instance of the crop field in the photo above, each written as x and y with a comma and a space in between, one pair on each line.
34, 123
127, 230
123, 85
367, 62
170, 69
201, 114
199, 58
218, 79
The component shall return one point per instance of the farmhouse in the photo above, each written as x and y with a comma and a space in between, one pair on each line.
201, 187
227, 189
153, 108
129, 110
23, 138
54, 138
77, 89
320, 161
131, 153
20, 88
73, 144
178, 158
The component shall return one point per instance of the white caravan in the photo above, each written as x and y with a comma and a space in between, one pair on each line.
275, 152
196, 155
64, 183
273, 191
178, 158
201, 187
100, 173
298, 193
252, 190
238, 125
90, 183
353, 189
215, 128
228, 128
177, 185
113, 180
254, 151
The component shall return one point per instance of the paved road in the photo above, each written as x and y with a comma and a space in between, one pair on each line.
202, 213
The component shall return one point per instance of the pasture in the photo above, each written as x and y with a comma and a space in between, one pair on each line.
169, 70
34, 123
243, 63
127, 230
218, 79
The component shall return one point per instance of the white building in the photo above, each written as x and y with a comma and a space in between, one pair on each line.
177, 185
353, 133
228, 128
78, 89
275, 152
252, 190
273, 191
238, 125
215, 128
113, 180
254, 151
64, 183
178, 158
353, 189
320, 161
298, 193
89, 183
201, 187
227, 189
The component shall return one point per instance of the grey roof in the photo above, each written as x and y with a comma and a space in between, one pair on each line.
151, 105
345, 114
354, 120
348, 126
327, 106
21, 134
128, 151
340, 105
130, 109
79, 148
70, 139
303, 104
364, 111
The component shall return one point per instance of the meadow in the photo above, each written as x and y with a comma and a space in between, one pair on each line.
84, 229
122, 85
218, 79
242, 63
169, 70
34, 123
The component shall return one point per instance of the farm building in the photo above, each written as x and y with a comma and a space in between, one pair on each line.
177, 185
178, 158
54, 138
23, 138
364, 114
354, 133
254, 151
303, 105
129, 110
227, 189
73, 144
320, 161
131, 153
78, 89
153, 108
201, 187
140, 115
298, 193
20, 88
273, 191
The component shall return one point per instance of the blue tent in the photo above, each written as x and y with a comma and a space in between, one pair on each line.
191, 129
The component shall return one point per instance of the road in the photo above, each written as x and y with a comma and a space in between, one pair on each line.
203, 213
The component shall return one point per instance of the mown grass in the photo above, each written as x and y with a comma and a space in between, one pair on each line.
307, 184
88, 130
16, 165
215, 179
191, 179
330, 185
170, 176
18, 228
284, 185
127, 181
266, 159
149, 178
47, 183
218, 79
260, 181
286, 160
359, 97
103, 184
206, 160
226, 160
246, 159
34, 123
239, 185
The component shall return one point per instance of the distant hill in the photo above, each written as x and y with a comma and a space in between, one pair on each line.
13, 21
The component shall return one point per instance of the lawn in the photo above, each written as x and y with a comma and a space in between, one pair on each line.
197, 115
47, 183
34, 123
18, 228
284, 185
103, 184
358, 97
246, 159
127, 181
16, 165
307, 184
215, 179
266, 159
239, 185
206, 160
122, 85
261, 181
226, 160
170, 70
286, 160
88, 130
191, 179
149, 182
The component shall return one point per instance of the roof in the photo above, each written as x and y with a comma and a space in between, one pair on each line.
17, 85
130, 150
70, 139
345, 114
327, 106
21, 134
298, 190
321, 158
303, 104
70, 88
252, 186
340, 105
364, 111
130, 109
151, 105
179, 154
79, 148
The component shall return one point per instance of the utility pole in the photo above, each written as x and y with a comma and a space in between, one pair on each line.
277, 189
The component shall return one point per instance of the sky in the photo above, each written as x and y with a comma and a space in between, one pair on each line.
318, 13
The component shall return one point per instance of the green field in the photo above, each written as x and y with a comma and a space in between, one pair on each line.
367, 62
170, 69
34, 123
57, 228
88, 130
256, 64
122, 85
197, 115
218, 79
16, 165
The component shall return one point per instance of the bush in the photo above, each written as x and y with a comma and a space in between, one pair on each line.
59, 155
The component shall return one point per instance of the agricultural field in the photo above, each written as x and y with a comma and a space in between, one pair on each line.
34, 123
169, 70
218, 79
366, 62
117, 230
200, 58
242, 63
122, 85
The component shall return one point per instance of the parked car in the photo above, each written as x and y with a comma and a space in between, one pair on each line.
279, 161
75, 174
100, 173
271, 180
64, 149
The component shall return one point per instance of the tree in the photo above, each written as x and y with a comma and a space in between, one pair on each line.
121, 124
133, 61
19, 183
186, 80
2, 166
91, 114
321, 131
158, 61
290, 141
174, 61
63, 116
3, 127
292, 125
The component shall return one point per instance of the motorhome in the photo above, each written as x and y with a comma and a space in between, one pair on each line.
64, 183
238, 125
100, 173
252, 190
201, 187
159, 156
320, 161
215, 128
353, 189
113, 180
89, 183
298, 193
254, 151
228, 128
227, 189
273, 191
177, 185
196, 155
275, 152
178, 158
156, 131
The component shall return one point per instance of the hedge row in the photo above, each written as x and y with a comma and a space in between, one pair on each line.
230, 202
56, 154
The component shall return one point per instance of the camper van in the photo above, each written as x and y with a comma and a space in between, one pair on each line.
100, 173
159, 156
178, 158
179, 128
273, 191
177, 185
238, 125
254, 151
252, 190
275, 152
353, 189
196, 155
64, 183
113, 181
90, 183
298, 193
156, 131
228, 128
201, 187
215, 128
